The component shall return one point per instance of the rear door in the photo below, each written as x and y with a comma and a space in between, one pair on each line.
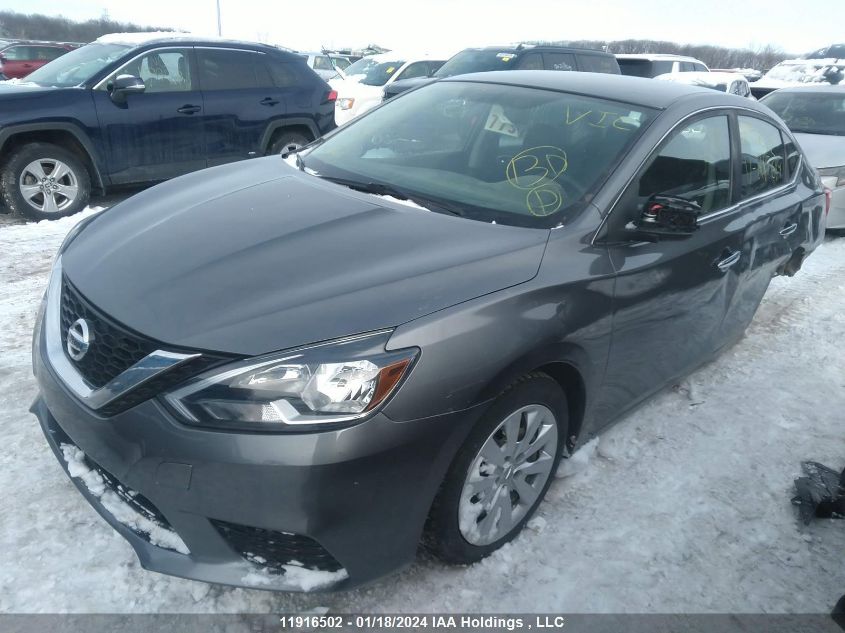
771, 211
241, 101
672, 295
156, 134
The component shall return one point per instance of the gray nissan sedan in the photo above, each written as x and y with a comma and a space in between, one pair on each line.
287, 374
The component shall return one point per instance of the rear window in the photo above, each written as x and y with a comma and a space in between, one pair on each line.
644, 67
598, 64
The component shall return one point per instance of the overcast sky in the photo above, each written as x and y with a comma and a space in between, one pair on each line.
444, 25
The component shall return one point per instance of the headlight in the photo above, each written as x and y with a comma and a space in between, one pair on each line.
331, 383
833, 177
345, 104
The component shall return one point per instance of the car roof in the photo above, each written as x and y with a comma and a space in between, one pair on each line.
634, 90
172, 37
521, 48
657, 56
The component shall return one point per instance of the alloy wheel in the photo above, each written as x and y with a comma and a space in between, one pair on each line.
508, 474
48, 185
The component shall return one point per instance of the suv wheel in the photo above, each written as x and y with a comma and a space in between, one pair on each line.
288, 142
43, 181
501, 473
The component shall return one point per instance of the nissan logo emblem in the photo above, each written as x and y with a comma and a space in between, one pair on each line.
78, 339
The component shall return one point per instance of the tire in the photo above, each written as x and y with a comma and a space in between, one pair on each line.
287, 142
457, 527
29, 169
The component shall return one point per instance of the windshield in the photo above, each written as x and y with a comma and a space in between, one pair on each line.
811, 112
77, 66
508, 154
475, 61
373, 72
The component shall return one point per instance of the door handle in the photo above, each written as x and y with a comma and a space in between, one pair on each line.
730, 260
269, 101
188, 109
788, 230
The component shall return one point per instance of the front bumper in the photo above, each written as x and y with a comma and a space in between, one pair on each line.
359, 495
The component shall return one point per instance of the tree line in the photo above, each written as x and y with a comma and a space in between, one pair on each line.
760, 58
34, 26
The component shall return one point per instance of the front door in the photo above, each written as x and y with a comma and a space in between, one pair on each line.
156, 134
672, 295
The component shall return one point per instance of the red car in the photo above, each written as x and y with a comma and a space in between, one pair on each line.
19, 59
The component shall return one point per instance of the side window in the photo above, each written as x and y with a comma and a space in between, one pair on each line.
793, 156
322, 62
694, 165
417, 69
598, 64
341, 62
48, 52
531, 61
559, 61
687, 67
165, 70
281, 73
699, 67
762, 156
16, 53
221, 69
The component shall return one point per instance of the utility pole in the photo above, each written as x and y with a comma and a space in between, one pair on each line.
219, 28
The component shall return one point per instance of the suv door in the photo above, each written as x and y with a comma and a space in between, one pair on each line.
158, 133
671, 295
241, 101
771, 211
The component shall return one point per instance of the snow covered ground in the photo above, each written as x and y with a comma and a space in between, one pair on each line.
681, 507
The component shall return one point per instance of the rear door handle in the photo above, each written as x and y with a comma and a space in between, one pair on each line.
730, 260
188, 109
269, 101
788, 230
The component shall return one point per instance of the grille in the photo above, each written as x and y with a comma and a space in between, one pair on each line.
273, 549
114, 348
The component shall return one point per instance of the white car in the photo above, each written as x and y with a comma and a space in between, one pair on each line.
652, 65
732, 83
816, 115
325, 65
362, 86
798, 72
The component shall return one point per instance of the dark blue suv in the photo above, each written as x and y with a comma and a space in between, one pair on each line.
138, 108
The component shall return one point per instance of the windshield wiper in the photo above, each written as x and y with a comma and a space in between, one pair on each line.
384, 189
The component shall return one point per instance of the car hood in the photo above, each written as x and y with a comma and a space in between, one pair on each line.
14, 89
823, 150
258, 257
351, 88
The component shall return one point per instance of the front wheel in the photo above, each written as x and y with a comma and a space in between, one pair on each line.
288, 142
501, 473
43, 181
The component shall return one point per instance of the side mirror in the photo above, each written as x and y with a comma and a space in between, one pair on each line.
124, 85
668, 216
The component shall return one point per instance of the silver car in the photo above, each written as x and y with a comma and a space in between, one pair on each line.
816, 115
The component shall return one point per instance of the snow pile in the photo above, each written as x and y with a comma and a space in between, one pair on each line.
117, 507
296, 578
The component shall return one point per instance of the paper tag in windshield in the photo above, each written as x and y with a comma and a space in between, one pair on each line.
505, 57
500, 124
